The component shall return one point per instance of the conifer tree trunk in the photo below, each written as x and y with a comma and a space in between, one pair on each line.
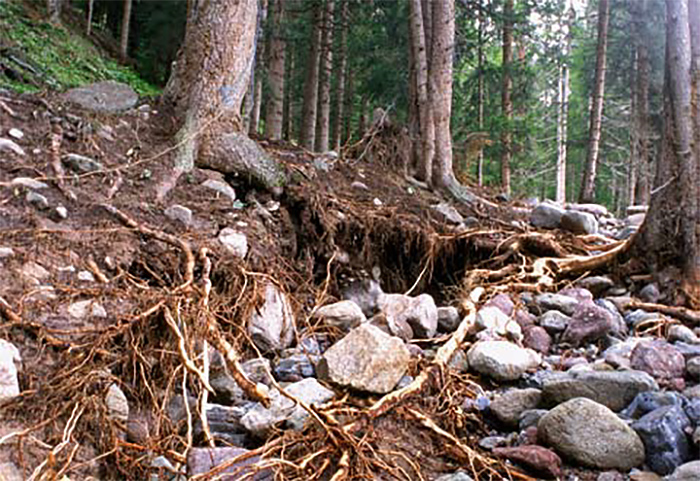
309, 112
480, 89
288, 107
563, 114
276, 73
126, 27
342, 72
349, 105
257, 80
590, 170
506, 101
639, 189
324, 85
90, 11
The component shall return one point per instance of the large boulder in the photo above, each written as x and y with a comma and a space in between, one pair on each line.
579, 222
592, 435
109, 97
546, 216
502, 360
271, 326
419, 312
344, 315
367, 359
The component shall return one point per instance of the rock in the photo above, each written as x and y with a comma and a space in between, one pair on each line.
638, 316
619, 326
502, 360
16, 134
109, 96
457, 476
537, 339
448, 212
260, 420
596, 284
393, 326
594, 209
203, 460
665, 441
448, 319
502, 302
692, 368
85, 309
509, 406
343, 315
235, 242
546, 216
86, 276
34, 273
649, 401
459, 362
297, 367
37, 200
236, 153
366, 359
688, 350
530, 417
419, 312
590, 434
492, 318
272, 326
29, 183
583, 296
365, 293
8, 145
10, 472
635, 220
10, 360
679, 332
222, 188
6, 252
613, 389
579, 222
556, 302
554, 321
81, 164
660, 359
650, 293
493, 442
117, 405
225, 423
637, 475
611, 476
536, 458
589, 323
687, 472
357, 185
227, 389
61, 212
178, 213
524, 319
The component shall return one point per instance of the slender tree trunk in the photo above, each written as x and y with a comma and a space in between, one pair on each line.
349, 105
342, 72
506, 101
480, 90
563, 113
642, 120
308, 116
362, 122
632, 165
126, 27
288, 108
276, 73
90, 11
260, 64
591, 167
413, 114
325, 75
441, 90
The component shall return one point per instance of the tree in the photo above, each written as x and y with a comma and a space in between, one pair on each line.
90, 10
343, 26
126, 24
587, 193
480, 89
670, 235
54, 8
309, 108
276, 72
324, 84
563, 108
256, 86
506, 101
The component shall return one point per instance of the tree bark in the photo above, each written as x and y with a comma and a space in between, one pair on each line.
506, 101
90, 11
343, 26
126, 27
308, 116
349, 105
54, 8
275, 73
563, 112
480, 90
260, 65
288, 107
590, 170
324, 86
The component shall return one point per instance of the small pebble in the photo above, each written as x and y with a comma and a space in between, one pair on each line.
16, 133
86, 276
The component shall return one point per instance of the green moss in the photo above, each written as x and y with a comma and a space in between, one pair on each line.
60, 58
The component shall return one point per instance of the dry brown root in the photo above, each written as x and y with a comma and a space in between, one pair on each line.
684, 314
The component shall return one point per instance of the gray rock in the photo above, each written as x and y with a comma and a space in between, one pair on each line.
343, 315
554, 321
619, 326
649, 401
109, 96
502, 360
546, 216
530, 418
596, 284
502, 302
679, 332
579, 222
448, 318
179, 213
594, 209
658, 358
272, 325
297, 367
394, 326
37, 200
650, 293
665, 441
357, 185
509, 406
222, 188
366, 359
556, 302
10, 360
365, 293
626, 233
687, 472
448, 212
7, 145
492, 318
459, 362
419, 312
85, 309
613, 389
34, 273
225, 423
117, 405
86, 276
235, 242
16, 134
260, 420
590, 434
203, 460
81, 164
692, 368
10, 472
236, 153
638, 317
635, 220
457, 476
227, 389
688, 350
29, 183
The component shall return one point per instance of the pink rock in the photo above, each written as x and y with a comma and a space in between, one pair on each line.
661, 360
538, 339
541, 460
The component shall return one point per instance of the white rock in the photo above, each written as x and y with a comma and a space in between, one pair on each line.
34, 273
37, 200
28, 183
6, 252
179, 213
62, 212
377, 202
9, 361
83, 309
344, 315
16, 133
222, 188
235, 242
8, 145
271, 326
86, 276
117, 404
502, 360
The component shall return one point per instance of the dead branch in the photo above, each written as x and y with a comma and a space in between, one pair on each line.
682, 313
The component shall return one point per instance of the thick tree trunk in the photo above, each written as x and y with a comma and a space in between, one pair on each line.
563, 113
343, 26
480, 90
589, 175
275, 74
324, 85
308, 116
441, 90
506, 101
427, 13
126, 27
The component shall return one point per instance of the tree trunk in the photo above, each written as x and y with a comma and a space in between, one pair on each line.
642, 122
506, 101
324, 85
480, 90
563, 112
670, 236
349, 105
427, 14
308, 116
441, 90
90, 11
589, 175
425, 112
288, 107
209, 79
275, 74
54, 8
260, 48
342, 72
126, 27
